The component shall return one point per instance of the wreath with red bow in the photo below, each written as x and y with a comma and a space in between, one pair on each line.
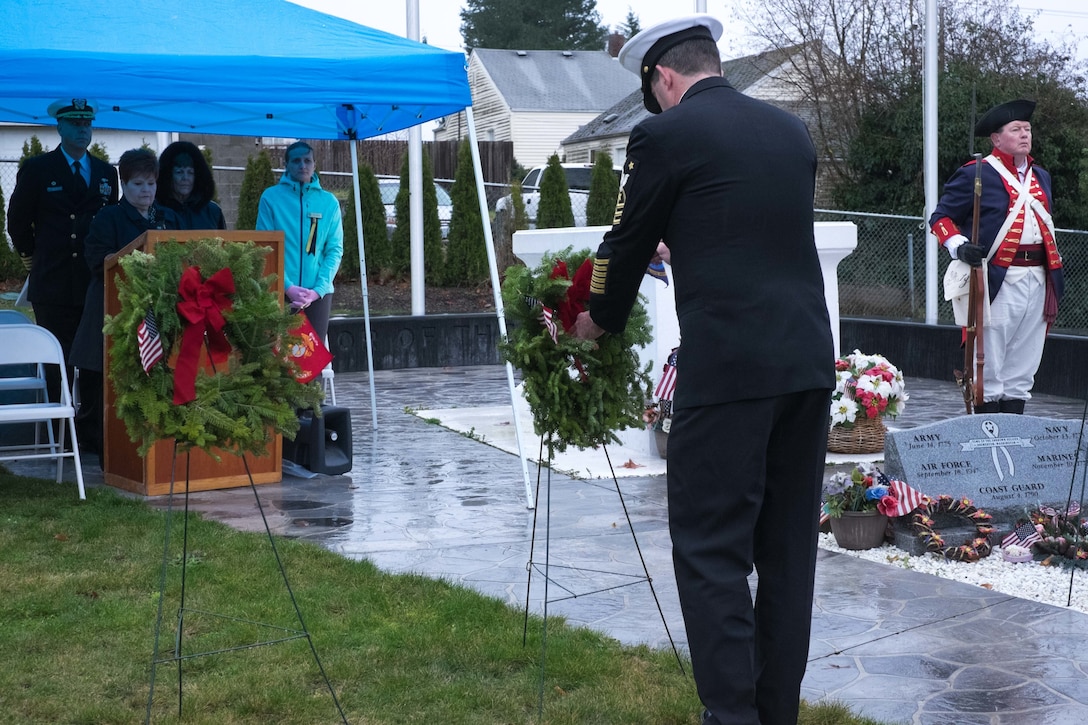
580, 392
204, 293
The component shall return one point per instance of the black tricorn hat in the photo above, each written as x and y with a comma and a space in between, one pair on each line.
998, 116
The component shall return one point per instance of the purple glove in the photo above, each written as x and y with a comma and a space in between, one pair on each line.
301, 297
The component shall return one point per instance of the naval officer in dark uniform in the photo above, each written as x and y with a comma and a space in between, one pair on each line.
727, 183
56, 196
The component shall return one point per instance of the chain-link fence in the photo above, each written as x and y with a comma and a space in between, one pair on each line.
885, 276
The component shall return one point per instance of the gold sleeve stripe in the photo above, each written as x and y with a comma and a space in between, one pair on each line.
618, 214
600, 275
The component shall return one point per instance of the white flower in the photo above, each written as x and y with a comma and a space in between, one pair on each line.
875, 385
843, 411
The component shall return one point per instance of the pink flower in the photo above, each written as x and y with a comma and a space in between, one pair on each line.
887, 505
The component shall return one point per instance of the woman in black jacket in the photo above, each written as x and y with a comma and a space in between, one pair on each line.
186, 185
111, 230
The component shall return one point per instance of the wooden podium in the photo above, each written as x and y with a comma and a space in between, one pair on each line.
150, 475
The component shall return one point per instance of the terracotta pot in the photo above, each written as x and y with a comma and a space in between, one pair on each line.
859, 529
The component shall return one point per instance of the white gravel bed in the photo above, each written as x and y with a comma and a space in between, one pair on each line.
1030, 580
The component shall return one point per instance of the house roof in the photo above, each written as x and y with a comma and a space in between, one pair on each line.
556, 80
742, 73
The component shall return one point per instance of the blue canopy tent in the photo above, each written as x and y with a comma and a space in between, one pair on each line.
244, 67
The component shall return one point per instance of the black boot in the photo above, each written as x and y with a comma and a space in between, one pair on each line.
992, 407
1012, 406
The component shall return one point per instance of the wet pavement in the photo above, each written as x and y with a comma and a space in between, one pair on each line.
895, 645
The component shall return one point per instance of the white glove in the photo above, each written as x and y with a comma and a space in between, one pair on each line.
954, 242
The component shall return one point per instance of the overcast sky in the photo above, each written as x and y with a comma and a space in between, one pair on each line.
440, 20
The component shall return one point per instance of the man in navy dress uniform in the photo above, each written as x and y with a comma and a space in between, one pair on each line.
1017, 246
727, 182
55, 198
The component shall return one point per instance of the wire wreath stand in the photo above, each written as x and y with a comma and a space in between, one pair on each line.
568, 592
179, 656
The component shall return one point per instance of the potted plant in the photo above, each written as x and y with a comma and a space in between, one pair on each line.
867, 389
859, 506
658, 413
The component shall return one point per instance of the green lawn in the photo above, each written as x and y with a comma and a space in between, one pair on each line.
79, 585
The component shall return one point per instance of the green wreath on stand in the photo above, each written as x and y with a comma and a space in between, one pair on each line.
580, 392
250, 397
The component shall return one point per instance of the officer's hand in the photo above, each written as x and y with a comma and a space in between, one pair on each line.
27, 260
585, 328
972, 254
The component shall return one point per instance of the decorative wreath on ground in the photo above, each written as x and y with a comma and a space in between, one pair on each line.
978, 546
579, 391
252, 393
1064, 535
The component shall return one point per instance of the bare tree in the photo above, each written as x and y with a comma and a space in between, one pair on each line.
860, 54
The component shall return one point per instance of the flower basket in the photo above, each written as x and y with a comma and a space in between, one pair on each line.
867, 388
866, 435
857, 530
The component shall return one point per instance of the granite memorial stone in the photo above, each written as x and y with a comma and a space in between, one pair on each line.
1006, 464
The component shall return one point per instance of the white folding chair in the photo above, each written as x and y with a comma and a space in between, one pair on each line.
22, 379
18, 381
34, 345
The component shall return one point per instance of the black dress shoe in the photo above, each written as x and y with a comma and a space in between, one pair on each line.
1012, 406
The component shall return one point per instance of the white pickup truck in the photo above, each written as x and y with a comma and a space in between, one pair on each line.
578, 182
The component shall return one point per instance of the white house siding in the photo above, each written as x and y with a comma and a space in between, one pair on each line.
489, 127
538, 135
582, 152
775, 87
489, 109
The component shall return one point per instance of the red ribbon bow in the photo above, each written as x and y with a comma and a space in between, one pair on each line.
577, 295
202, 306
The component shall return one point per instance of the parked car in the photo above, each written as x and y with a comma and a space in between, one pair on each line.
389, 189
579, 178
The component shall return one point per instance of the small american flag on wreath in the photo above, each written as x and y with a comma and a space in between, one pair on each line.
147, 335
1023, 535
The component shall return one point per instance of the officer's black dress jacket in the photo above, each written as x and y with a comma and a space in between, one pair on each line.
49, 217
727, 182
112, 230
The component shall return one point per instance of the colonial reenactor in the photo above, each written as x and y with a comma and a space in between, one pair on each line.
726, 181
1016, 245
56, 196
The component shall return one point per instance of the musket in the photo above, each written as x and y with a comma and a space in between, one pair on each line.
974, 356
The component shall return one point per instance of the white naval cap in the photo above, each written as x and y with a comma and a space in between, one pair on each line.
73, 108
641, 53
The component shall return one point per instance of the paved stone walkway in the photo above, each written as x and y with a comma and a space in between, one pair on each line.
895, 645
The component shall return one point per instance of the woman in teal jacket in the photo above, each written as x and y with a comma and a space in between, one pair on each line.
313, 234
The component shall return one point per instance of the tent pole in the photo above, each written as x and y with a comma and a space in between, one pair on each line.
493, 265
362, 281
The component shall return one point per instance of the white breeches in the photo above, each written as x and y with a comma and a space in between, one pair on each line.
1013, 341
